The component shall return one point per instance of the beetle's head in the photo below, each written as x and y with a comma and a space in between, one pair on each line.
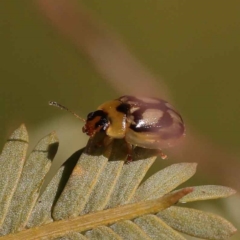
96, 121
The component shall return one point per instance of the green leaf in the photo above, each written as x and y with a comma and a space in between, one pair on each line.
197, 223
42, 212
127, 229
103, 190
164, 181
93, 197
102, 233
208, 192
100, 218
156, 228
30, 182
130, 178
72, 236
12, 160
79, 187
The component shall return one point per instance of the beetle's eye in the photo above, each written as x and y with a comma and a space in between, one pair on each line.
103, 122
90, 116
99, 113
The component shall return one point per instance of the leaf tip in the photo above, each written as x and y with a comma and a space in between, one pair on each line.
232, 191
53, 137
194, 165
20, 134
23, 126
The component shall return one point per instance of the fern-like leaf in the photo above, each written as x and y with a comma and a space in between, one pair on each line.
97, 197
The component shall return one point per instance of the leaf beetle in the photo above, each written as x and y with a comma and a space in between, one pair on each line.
141, 121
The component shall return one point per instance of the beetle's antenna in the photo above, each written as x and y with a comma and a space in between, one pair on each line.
55, 104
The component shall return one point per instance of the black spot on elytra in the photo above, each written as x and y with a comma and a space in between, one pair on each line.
138, 114
145, 128
165, 121
124, 108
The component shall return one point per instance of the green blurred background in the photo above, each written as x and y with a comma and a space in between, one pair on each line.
193, 45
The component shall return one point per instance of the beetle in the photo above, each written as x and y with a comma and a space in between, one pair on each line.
146, 122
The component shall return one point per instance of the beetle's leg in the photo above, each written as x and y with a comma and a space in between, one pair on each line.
161, 154
129, 152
